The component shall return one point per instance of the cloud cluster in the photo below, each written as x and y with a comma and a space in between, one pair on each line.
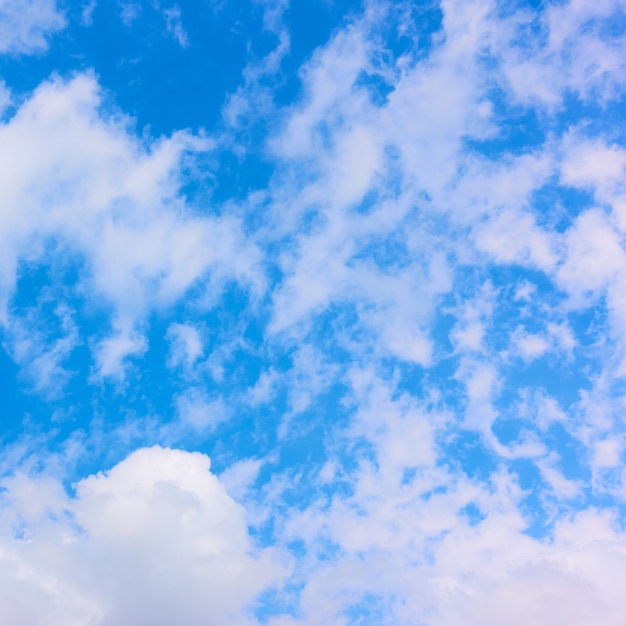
156, 540
416, 382
79, 185
410, 539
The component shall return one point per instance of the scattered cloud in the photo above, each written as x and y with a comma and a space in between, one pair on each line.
27, 25
385, 291
174, 25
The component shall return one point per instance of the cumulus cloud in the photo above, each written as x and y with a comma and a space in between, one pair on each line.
156, 539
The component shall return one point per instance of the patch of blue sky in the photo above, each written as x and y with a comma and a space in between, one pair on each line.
367, 608
158, 81
538, 518
274, 603
466, 450
572, 455
473, 513
556, 206
311, 25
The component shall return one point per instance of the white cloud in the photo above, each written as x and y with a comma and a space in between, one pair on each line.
563, 335
469, 337
525, 291
513, 237
200, 412
27, 25
598, 167
549, 412
561, 487
155, 540
400, 534
486, 571
358, 158
254, 99
578, 53
484, 378
112, 352
529, 346
594, 256
41, 348
517, 580
399, 429
239, 478
591, 163
264, 389
81, 179
328, 79
607, 453
186, 345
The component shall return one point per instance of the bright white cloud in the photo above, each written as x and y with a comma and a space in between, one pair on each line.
74, 175
154, 540
432, 546
483, 575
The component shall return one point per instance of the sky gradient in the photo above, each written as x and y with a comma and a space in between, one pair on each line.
312, 313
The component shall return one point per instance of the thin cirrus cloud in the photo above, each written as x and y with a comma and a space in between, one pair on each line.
382, 288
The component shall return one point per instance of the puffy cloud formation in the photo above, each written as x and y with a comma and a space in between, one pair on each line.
155, 540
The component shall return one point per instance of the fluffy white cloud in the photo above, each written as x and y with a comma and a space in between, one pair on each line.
154, 540
487, 574
26, 25
413, 541
578, 53
76, 180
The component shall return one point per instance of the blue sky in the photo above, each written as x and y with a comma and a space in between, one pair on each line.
312, 313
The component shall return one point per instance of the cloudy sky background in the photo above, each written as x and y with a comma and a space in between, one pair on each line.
312, 313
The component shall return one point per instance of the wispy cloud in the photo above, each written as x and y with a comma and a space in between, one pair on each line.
27, 25
174, 25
